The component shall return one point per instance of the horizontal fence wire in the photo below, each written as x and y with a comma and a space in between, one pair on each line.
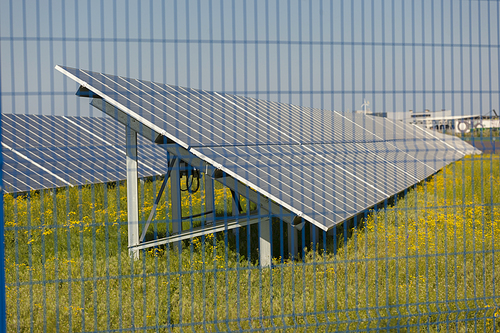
250, 166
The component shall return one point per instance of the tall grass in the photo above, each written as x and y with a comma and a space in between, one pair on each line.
429, 262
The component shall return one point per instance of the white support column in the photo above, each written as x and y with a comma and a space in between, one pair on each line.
293, 244
209, 195
132, 193
175, 196
265, 242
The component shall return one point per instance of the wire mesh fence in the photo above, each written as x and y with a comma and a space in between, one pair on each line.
250, 166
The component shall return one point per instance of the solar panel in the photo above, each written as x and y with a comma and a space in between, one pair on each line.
43, 151
197, 118
324, 166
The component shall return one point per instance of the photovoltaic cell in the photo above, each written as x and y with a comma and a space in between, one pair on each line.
325, 166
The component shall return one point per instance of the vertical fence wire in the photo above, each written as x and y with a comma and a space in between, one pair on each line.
415, 247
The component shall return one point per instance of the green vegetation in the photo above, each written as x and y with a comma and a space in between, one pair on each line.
431, 261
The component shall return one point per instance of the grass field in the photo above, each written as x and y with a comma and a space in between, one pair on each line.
431, 262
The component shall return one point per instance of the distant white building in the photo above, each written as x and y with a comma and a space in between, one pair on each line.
444, 120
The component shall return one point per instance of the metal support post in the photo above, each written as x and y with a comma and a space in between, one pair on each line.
209, 195
132, 193
293, 245
265, 242
175, 186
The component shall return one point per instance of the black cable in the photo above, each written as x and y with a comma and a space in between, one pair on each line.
189, 185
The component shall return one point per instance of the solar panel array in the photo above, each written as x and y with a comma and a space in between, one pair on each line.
43, 151
322, 165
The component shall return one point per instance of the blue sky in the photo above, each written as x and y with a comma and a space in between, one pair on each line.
400, 55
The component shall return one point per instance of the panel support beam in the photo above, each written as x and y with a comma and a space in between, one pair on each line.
132, 193
238, 222
175, 187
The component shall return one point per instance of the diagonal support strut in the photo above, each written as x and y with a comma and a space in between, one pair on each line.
158, 197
